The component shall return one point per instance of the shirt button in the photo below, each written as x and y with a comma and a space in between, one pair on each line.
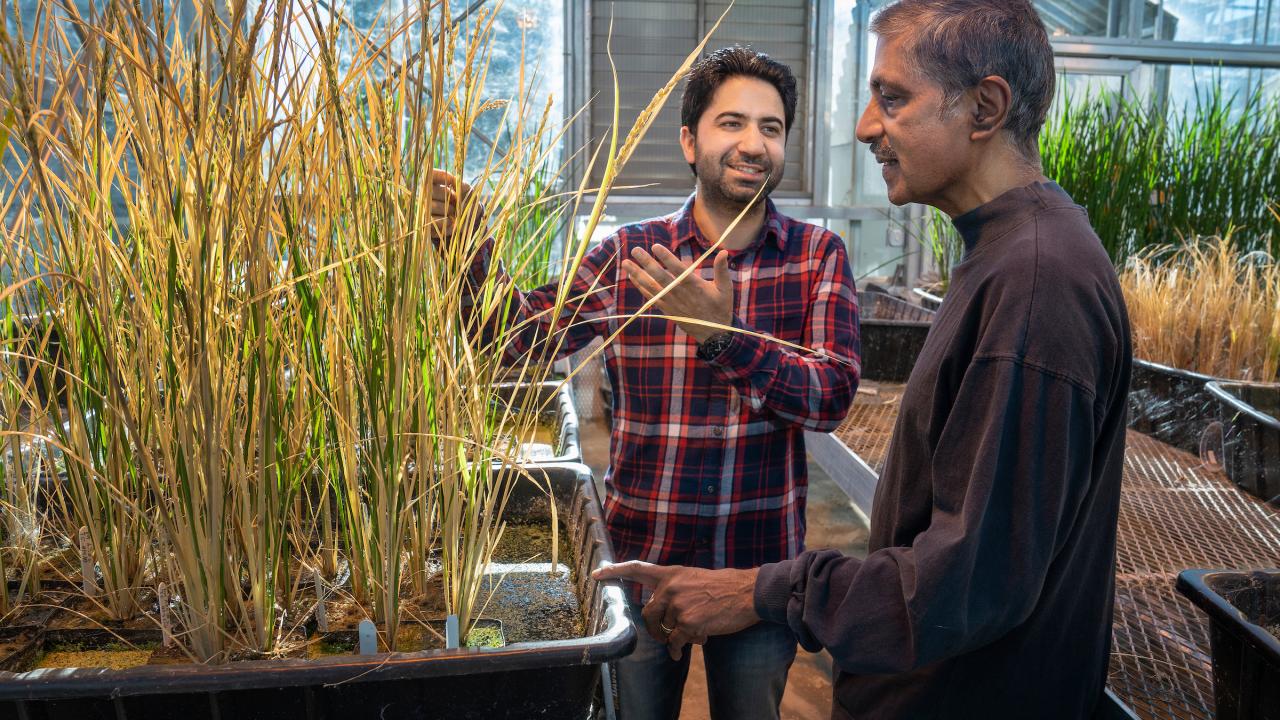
711, 488
717, 431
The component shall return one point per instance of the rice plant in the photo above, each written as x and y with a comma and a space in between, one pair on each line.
944, 245
1206, 307
268, 353
1148, 177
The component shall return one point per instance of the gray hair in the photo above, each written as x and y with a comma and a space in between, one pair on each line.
956, 43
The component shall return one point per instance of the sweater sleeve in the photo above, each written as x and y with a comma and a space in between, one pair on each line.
1010, 473
812, 390
527, 319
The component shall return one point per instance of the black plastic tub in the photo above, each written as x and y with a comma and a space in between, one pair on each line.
893, 332
1244, 615
555, 396
1170, 405
1250, 435
553, 679
1111, 708
930, 301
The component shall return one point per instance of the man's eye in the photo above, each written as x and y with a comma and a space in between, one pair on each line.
888, 99
729, 124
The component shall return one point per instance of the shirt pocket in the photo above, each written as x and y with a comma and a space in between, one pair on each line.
782, 309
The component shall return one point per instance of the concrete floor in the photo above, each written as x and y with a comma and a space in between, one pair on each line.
832, 522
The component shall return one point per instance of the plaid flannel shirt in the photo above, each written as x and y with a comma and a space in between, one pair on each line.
707, 460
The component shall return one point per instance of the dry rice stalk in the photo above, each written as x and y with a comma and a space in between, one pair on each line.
1206, 307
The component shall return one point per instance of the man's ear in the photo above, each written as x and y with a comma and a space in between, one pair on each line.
687, 141
991, 99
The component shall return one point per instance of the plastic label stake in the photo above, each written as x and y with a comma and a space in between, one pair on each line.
322, 614
166, 626
451, 632
88, 579
368, 637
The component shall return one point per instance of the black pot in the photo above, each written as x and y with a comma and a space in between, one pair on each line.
1250, 435
554, 679
1170, 405
553, 395
1246, 657
892, 333
929, 300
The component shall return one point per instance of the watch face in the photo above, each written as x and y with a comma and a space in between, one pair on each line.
714, 345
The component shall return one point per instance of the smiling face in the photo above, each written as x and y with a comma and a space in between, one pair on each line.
924, 147
739, 144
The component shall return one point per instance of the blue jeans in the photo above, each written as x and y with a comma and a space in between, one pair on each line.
746, 674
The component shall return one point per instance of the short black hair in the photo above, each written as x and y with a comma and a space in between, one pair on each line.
709, 73
956, 43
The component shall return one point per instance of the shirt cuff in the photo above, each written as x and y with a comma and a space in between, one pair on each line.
773, 591
742, 356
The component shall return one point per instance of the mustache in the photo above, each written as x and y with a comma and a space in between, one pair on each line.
883, 152
761, 162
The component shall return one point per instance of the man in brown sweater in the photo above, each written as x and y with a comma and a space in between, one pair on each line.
987, 592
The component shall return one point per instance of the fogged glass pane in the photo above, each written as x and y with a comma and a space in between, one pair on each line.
870, 187
1082, 17
1242, 22
844, 104
1161, 20
1079, 85
873, 255
1191, 85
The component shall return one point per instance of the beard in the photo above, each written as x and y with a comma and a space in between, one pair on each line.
715, 187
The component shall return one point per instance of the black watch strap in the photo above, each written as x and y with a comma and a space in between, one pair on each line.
711, 348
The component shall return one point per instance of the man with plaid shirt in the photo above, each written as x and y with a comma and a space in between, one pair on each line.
707, 459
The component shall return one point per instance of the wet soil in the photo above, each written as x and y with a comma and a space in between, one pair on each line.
531, 543
532, 602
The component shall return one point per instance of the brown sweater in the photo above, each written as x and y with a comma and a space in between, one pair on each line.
988, 589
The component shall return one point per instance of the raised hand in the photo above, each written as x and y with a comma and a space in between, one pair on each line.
448, 194
693, 297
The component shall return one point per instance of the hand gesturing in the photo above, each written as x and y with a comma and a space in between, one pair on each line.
693, 297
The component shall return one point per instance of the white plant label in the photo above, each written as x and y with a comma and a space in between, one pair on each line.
166, 626
451, 634
88, 579
322, 612
368, 637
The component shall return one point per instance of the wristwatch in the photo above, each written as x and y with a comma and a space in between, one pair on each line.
711, 348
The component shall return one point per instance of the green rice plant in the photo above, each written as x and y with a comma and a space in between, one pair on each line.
269, 352
1221, 171
103, 491
1208, 307
944, 245
177, 393
1148, 177
1105, 151
541, 218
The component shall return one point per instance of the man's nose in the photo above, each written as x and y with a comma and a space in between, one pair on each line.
752, 142
869, 127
